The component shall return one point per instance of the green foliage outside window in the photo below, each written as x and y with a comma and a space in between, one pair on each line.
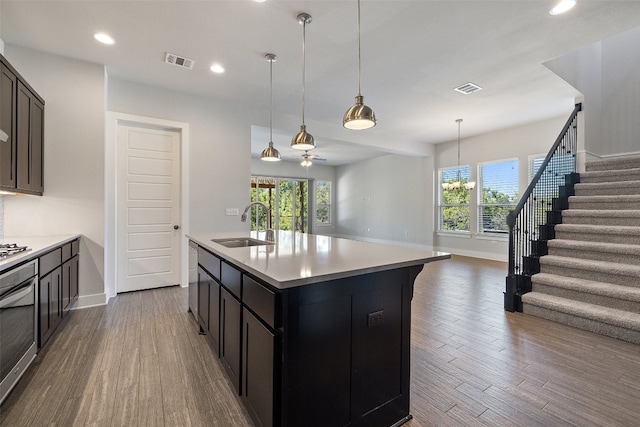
323, 202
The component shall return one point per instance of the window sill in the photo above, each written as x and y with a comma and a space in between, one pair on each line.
323, 224
493, 236
456, 234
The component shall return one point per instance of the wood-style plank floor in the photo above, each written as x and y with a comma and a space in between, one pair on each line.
139, 361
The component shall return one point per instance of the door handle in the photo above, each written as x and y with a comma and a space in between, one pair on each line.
175, 227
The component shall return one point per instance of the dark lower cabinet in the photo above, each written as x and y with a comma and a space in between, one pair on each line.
209, 308
49, 292
259, 351
230, 327
58, 287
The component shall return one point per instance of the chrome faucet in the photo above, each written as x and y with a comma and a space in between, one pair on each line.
269, 231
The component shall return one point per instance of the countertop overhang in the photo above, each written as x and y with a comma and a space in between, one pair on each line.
38, 245
298, 259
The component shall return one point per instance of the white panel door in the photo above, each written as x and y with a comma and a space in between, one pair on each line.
148, 207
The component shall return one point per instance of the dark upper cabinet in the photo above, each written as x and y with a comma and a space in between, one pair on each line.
22, 119
8, 92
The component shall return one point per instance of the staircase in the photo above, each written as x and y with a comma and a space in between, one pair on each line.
590, 278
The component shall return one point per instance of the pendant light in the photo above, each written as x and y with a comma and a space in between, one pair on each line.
303, 140
360, 116
457, 185
270, 154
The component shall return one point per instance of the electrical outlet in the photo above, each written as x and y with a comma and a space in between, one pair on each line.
375, 318
232, 212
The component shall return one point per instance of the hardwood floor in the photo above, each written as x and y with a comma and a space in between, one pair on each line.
139, 361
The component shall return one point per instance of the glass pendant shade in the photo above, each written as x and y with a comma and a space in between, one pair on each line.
270, 154
359, 117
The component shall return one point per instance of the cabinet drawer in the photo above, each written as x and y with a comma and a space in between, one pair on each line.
231, 279
75, 247
66, 252
260, 299
209, 262
49, 261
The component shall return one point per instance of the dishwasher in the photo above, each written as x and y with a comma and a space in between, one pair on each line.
18, 311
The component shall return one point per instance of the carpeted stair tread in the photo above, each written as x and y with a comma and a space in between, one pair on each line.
628, 293
610, 175
581, 309
580, 245
593, 266
599, 229
608, 188
613, 199
626, 162
602, 213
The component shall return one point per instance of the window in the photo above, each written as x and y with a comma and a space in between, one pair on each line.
323, 202
287, 198
534, 165
454, 203
499, 194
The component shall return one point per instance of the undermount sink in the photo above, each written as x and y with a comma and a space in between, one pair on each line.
241, 242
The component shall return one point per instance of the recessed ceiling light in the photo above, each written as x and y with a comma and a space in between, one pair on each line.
259, 1
562, 7
104, 38
217, 68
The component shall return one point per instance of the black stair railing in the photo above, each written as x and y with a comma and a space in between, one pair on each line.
531, 223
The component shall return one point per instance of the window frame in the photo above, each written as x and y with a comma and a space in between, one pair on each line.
480, 198
442, 205
329, 203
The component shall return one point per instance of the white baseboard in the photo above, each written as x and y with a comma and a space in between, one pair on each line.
475, 254
86, 301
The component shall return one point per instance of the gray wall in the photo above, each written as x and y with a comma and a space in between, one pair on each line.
607, 73
386, 199
74, 94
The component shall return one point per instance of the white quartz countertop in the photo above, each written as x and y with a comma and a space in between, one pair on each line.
298, 259
38, 245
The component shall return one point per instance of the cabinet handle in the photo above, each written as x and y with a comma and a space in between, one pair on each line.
3, 136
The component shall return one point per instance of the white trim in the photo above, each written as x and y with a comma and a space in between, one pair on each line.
496, 237
86, 301
476, 254
112, 121
456, 234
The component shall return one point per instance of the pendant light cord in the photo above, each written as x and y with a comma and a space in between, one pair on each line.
271, 101
459, 121
359, 54
304, 63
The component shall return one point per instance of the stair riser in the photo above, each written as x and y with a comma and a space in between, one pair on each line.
617, 279
625, 176
584, 324
604, 300
596, 256
588, 204
628, 190
597, 220
598, 237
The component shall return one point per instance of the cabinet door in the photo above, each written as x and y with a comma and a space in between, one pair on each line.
55, 298
44, 289
230, 324
213, 334
7, 117
29, 140
203, 299
66, 287
258, 369
75, 278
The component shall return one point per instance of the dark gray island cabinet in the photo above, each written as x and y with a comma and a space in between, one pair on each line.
331, 349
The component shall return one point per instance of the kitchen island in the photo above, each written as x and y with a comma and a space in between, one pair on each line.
312, 330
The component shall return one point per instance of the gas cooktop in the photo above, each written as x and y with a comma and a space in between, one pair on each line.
8, 249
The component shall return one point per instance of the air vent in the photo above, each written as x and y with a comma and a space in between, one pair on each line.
179, 61
467, 88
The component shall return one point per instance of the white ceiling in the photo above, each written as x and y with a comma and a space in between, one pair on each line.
413, 54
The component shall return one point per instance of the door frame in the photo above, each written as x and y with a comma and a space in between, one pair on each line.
114, 119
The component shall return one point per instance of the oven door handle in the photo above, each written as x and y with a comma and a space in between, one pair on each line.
17, 295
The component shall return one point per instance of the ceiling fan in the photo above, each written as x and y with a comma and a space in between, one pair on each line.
307, 159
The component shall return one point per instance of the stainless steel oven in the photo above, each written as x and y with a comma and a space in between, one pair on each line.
18, 311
